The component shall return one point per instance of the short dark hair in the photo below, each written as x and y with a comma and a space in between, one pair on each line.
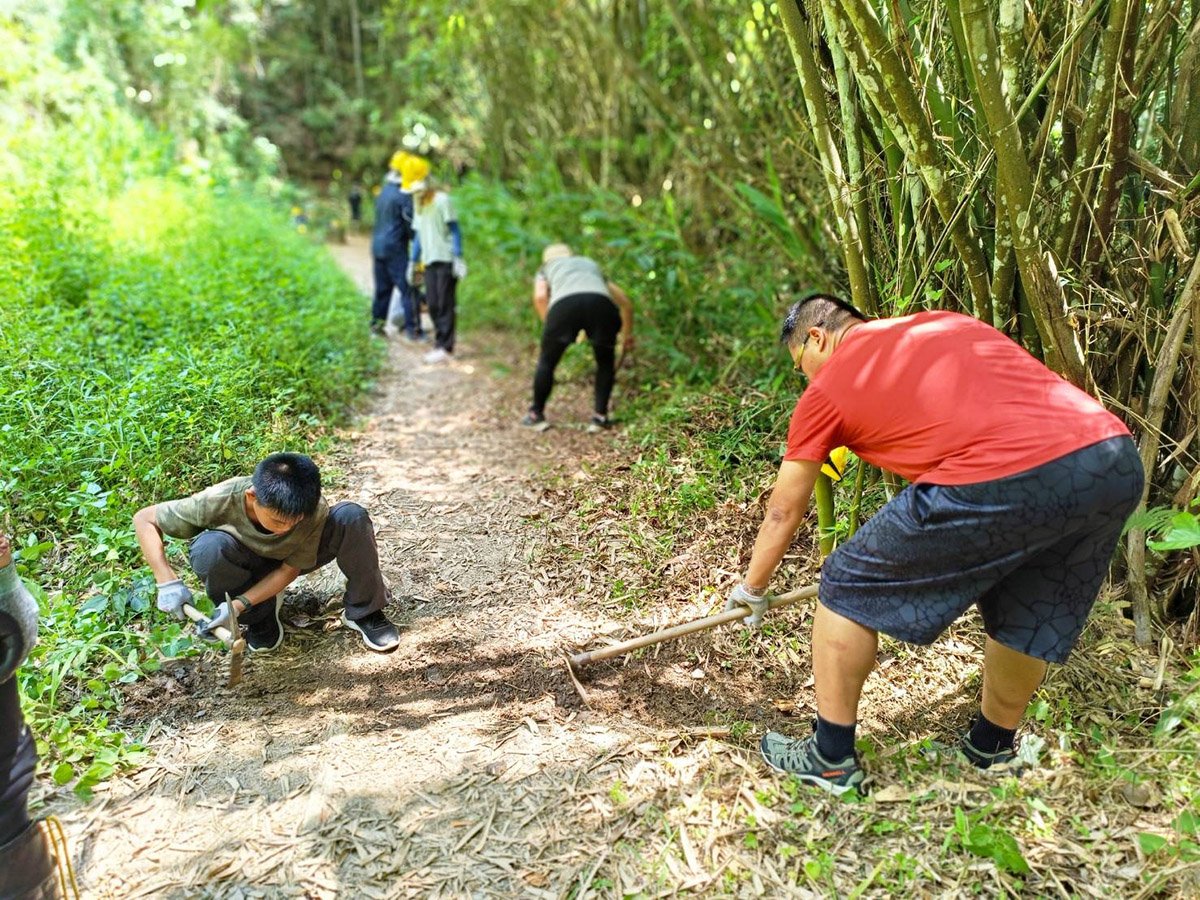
289, 484
816, 310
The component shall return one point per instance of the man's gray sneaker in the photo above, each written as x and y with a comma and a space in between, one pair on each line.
1004, 761
801, 758
377, 631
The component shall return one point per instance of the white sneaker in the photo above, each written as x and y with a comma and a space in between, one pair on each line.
436, 355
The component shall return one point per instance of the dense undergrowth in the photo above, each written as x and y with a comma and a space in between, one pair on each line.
164, 341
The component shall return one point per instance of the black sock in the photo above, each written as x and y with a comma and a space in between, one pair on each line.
988, 737
835, 742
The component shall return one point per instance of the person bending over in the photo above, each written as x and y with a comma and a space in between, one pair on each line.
1021, 483
252, 537
570, 295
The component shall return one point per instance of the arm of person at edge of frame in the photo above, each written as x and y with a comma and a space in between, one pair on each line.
541, 297
625, 305
150, 538
785, 511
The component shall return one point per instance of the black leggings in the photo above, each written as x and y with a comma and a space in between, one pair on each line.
597, 316
17, 759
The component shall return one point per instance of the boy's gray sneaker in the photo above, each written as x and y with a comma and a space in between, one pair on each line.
801, 758
267, 635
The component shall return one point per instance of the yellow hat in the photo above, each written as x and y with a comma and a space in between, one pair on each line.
413, 169
398, 159
555, 251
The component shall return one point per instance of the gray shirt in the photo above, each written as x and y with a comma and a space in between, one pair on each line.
571, 275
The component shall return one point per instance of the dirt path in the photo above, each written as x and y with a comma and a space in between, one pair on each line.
460, 765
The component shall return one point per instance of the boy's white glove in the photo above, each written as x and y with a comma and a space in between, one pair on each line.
758, 602
458, 268
171, 597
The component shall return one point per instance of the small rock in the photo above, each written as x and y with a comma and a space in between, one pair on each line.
697, 673
1144, 795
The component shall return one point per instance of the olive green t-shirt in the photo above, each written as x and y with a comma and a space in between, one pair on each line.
222, 507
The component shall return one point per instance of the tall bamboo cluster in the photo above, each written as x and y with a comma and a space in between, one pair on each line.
1034, 164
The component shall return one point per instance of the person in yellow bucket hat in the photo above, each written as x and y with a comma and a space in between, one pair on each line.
389, 249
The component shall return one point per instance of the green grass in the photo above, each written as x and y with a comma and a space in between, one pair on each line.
165, 342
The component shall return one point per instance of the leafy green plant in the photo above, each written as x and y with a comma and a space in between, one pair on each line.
974, 835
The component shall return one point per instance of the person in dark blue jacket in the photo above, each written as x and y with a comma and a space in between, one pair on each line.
389, 249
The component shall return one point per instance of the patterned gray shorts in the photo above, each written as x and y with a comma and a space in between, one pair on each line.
1030, 550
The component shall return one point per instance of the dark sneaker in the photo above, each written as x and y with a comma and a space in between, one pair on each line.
598, 424
377, 328
802, 759
377, 631
267, 635
1003, 762
534, 421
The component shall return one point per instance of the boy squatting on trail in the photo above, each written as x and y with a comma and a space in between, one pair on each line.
252, 537
1021, 484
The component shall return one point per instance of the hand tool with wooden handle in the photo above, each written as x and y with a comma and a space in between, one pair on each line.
230, 637
676, 631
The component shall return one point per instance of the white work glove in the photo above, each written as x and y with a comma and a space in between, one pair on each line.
410, 271
171, 597
221, 617
458, 268
741, 596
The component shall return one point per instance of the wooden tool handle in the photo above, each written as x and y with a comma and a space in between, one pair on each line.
221, 632
676, 631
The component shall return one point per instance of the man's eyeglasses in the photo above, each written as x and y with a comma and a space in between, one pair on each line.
800, 355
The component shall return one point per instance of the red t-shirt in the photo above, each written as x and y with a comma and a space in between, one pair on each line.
942, 398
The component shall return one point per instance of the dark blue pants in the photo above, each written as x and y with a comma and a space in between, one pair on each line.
389, 276
229, 567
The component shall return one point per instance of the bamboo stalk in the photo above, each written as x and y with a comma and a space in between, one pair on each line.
1187, 306
882, 77
1015, 180
800, 39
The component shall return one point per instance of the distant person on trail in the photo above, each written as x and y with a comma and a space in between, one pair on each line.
33, 860
437, 249
570, 295
355, 197
389, 248
252, 537
1021, 484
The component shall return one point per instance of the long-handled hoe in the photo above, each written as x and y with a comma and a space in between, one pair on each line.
578, 660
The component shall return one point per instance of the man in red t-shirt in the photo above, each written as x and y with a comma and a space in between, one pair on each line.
1021, 484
